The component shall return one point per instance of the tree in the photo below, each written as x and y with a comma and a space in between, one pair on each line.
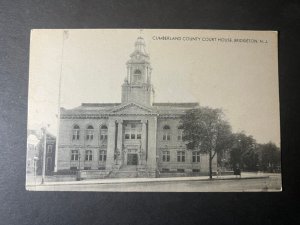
270, 156
244, 152
205, 129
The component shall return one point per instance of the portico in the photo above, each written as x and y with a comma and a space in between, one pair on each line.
128, 140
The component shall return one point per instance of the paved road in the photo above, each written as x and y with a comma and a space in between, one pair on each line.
273, 183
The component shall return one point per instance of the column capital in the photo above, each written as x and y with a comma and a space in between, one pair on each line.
120, 121
144, 121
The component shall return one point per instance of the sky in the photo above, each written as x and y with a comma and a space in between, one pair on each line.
236, 71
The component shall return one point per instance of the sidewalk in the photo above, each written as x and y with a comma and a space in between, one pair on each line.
148, 180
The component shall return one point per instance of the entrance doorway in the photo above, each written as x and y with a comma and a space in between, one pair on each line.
132, 159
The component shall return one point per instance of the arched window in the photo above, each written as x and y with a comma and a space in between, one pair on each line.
180, 133
103, 133
137, 75
90, 132
88, 155
166, 133
76, 132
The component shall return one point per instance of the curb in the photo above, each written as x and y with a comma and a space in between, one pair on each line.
154, 180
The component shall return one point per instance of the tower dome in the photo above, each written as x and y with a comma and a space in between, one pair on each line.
140, 45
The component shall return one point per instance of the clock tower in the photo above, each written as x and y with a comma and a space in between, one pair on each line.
137, 85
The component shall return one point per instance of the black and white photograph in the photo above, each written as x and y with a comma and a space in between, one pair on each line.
153, 110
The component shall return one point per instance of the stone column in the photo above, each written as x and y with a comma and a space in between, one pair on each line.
152, 130
144, 141
120, 142
128, 75
110, 144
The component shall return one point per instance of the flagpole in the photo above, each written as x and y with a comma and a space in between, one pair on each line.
65, 36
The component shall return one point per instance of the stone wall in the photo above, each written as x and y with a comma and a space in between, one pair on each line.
66, 144
173, 145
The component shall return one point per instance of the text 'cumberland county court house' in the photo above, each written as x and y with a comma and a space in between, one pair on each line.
134, 138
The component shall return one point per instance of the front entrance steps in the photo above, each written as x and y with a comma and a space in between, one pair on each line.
129, 171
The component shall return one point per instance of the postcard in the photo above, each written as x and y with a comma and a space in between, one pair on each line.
153, 110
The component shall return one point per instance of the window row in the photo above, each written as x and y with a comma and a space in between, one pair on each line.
133, 136
133, 131
167, 133
180, 156
89, 133
88, 156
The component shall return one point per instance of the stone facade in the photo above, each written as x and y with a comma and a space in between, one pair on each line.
135, 135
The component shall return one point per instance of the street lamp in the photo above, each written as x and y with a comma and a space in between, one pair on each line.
140, 157
78, 172
35, 159
79, 157
44, 130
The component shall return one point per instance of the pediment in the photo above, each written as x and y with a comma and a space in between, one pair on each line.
133, 109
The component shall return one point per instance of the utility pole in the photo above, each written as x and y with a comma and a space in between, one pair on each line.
65, 36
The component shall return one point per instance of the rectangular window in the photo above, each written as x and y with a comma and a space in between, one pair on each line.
180, 156
75, 135
166, 137
133, 131
196, 157
87, 168
166, 156
102, 156
165, 170
49, 149
180, 170
88, 155
101, 168
196, 170
89, 135
179, 137
103, 137
74, 155
73, 168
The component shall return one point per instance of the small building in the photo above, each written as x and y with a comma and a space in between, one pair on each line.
50, 154
33, 143
134, 138
35, 151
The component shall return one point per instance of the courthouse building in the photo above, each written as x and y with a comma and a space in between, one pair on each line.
134, 138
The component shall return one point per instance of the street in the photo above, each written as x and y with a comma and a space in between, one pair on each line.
271, 183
